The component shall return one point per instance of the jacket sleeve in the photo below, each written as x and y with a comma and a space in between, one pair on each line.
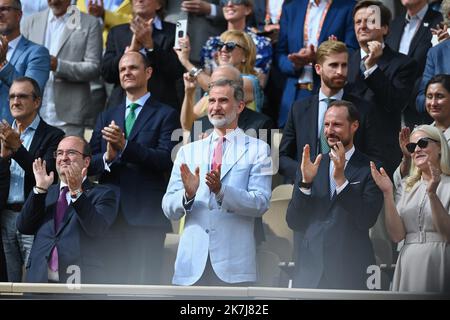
32, 214
393, 93
158, 158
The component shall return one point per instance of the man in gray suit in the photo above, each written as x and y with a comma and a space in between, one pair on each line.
74, 40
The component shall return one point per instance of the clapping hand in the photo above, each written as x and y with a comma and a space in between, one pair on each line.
435, 178
74, 176
142, 31
213, 180
337, 155
307, 167
375, 52
43, 180
382, 179
190, 181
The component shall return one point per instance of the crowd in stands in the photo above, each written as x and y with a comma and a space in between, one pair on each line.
111, 133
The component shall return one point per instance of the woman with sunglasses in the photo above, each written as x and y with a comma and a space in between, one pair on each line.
237, 50
236, 13
419, 214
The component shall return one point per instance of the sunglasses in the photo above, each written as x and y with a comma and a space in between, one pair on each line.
229, 46
224, 3
422, 143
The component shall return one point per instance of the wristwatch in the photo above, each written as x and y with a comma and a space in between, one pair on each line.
305, 185
75, 194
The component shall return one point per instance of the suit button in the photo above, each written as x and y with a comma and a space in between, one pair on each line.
207, 230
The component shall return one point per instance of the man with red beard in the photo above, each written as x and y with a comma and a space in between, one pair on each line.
305, 120
334, 204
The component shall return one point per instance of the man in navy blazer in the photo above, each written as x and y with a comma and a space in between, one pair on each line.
410, 34
68, 248
378, 74
334, 204
23, 141
289, 54
18, 55
156, 41
138, 161
306, 115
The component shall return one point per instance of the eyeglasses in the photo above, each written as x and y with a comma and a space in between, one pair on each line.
229, 46
224, 3
422, 143
7, 9
20, 96
71, 153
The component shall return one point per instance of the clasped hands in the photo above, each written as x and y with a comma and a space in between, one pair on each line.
142, 34
115, 140
191, 181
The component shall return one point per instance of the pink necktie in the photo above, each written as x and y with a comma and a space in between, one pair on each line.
217, 155
61, 207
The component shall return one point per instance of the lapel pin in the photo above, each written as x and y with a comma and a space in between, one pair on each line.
425, 24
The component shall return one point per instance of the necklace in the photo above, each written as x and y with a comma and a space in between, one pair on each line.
421, 217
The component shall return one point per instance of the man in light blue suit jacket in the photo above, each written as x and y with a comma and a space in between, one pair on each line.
438, 62
337, 21
18, 56
217, 246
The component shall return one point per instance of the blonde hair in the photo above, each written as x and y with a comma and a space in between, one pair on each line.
435, 134
328, 48
245, 41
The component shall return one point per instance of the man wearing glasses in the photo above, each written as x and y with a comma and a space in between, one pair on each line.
68, 218
18, 55
27, 138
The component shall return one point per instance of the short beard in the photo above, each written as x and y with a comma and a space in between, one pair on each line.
224, 121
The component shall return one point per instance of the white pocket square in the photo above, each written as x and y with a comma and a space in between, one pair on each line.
356, 182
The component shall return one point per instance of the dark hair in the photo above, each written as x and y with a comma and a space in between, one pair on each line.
238, 87
87, 152
36, 89
145, 60
353, 113
385, 13
443, 79
17, 4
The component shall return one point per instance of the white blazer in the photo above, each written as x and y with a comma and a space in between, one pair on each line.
225, 230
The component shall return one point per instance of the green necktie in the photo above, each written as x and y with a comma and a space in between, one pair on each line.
131, 118
324, 148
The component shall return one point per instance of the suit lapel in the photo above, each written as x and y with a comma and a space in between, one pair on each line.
64, 36
353, 166
39, 135
86, 186
234, 151
354, 73
299, 19
327, 24
313, 115
421, 32
146, 112
322, 180
396, 32
21, 46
